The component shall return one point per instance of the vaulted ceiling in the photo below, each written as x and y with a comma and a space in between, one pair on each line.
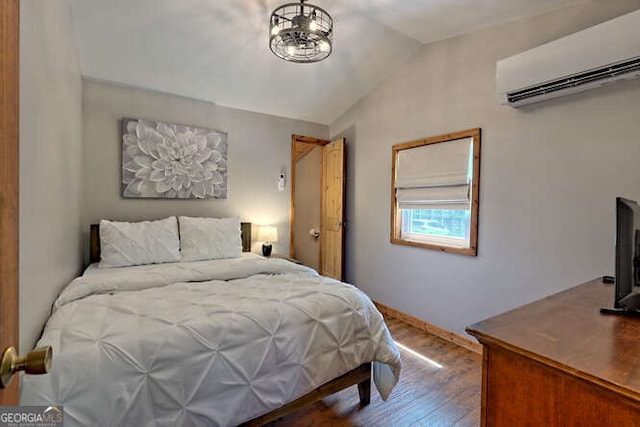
217, 50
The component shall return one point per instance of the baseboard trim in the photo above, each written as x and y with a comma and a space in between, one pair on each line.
445, 334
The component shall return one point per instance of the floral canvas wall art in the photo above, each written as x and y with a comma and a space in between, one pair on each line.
169, 161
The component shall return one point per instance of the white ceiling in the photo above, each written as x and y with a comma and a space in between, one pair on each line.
217, 50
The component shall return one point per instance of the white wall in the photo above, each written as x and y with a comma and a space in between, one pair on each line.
259, 148
50, 161
548, 178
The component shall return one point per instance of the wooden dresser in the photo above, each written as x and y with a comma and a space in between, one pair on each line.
559, 362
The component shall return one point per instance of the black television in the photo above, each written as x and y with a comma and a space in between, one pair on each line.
627, 259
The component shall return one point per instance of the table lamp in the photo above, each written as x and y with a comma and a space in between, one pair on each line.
267, 234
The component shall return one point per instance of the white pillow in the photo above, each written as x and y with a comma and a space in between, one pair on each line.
209, 238
138, 243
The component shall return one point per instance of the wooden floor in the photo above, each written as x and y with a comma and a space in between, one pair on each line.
425, 396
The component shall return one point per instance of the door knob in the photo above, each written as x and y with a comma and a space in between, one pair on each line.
36, 362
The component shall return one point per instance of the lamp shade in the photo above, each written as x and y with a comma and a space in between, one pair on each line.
268, 233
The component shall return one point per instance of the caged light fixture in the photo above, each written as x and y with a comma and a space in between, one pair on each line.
300, 32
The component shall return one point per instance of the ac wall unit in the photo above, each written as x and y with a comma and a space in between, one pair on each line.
600, 55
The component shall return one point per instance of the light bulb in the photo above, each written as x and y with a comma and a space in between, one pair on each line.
324, 46
313, 26
275, 30
291, 49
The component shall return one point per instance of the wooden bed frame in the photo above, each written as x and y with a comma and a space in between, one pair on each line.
360, 375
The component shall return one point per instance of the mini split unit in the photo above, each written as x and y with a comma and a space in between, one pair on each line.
604, 54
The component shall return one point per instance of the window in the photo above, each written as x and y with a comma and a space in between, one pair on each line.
435, 192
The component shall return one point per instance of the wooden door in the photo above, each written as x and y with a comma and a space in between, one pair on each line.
332, 207
9, 125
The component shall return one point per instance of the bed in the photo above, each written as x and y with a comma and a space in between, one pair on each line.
223, 341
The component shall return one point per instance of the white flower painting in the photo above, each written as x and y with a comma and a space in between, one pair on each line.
167, 161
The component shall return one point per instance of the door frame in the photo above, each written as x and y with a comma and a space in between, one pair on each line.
9, 183
296, 153
295, 140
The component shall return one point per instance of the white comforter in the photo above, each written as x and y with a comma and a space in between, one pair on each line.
204, 343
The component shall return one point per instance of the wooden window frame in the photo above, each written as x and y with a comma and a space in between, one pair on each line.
396, 225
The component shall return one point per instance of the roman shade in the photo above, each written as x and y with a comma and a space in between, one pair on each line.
434, 176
